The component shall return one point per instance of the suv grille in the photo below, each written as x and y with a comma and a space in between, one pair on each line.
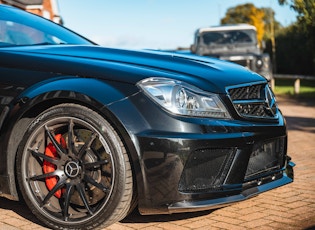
244, 62
254, 101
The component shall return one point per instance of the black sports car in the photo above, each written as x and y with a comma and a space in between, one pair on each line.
89, 133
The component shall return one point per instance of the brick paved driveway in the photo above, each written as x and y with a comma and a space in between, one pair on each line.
288, 207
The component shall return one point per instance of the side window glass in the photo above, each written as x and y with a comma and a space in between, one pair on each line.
12, 33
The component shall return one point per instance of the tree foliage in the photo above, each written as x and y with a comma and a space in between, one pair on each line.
246, 13
292, 56
306, 23
305, 10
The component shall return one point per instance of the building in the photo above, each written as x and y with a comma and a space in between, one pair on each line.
45, 8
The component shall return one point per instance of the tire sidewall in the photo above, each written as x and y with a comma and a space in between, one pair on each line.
112, 139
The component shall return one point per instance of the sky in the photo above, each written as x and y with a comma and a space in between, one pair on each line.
152, 24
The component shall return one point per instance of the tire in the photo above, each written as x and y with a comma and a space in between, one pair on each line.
78, 184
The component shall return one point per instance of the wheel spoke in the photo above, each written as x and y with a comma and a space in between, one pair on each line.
42, 177
87, 145
67, 198
96, 184
80, 188
45, 157
58, 186
96, 164
55, 143
71, 136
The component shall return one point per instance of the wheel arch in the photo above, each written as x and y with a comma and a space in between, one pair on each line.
28, 109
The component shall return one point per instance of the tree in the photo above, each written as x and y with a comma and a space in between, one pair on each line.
272, 26
293, 55
306, 21
249, 14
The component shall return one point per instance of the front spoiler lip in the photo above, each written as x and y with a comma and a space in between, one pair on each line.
192, 206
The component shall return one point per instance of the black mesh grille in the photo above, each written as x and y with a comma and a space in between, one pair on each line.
244, 62
254, 110
265, 157
206, 170
255, 101
246, 93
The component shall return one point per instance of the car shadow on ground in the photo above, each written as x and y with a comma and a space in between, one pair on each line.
20, 208
304, 124
300, 100
136, 217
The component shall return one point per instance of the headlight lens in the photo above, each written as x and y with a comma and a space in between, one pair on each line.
183, 99
259, 63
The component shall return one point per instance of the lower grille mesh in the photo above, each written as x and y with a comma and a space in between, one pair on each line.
265, 157
206, 170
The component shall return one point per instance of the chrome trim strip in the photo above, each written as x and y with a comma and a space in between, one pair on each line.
244, 85
251, 101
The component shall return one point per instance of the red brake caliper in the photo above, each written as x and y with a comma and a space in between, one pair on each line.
49, 167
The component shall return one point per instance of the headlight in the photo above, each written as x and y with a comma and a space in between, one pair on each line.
259, 63
183, 99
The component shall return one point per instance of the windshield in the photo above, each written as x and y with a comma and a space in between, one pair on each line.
229, 37
19, 28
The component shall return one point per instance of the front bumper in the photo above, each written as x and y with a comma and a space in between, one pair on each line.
189, 206
192, 164
181, 175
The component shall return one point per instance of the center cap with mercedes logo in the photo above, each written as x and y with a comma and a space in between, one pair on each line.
72, 169
270, 102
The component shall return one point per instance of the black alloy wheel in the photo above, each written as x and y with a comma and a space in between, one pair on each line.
73, 170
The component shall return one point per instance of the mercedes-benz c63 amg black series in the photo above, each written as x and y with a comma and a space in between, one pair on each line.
89, 133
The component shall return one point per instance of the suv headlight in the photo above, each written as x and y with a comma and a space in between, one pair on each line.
183, 99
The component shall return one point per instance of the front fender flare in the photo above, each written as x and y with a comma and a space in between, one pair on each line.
105, 92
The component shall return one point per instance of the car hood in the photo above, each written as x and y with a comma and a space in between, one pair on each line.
132, 66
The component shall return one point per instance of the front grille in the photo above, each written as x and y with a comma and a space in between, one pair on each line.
244, 62
254, 101
265, 157
206, 170
247, 92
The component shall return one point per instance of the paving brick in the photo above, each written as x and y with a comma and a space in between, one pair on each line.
280, 219
170, 225
280, 214
15, 222
250, 211
274, 207
230, 214
254, 216
32, 227
295, 205
118, 226
153, 228
223, 225
7, 227
228, 220
208, 227
200, 223
256, 223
